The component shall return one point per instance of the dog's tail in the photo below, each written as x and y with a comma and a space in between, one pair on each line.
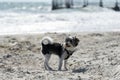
46, 41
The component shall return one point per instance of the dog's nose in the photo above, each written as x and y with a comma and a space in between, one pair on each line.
67, 44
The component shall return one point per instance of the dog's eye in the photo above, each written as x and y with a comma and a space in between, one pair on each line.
70, 40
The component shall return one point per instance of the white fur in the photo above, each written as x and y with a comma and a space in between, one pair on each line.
47, 40
71, 37
69, 48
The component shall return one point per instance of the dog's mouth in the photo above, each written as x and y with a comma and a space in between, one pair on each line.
68, 45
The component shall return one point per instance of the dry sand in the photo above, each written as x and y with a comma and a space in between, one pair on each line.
97, 57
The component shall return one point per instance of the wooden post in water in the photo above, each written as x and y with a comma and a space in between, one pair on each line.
116, 8
57, 4
101, 3
84, 3
54, 4
68, 3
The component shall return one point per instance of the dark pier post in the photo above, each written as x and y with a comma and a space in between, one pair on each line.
68, 3
54, 4
85, 3
57, 4
116, 8
101, 3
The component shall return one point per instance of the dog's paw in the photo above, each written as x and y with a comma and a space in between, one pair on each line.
66, 69
50, 69
59, 69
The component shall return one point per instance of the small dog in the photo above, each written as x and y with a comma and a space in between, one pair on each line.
64, 51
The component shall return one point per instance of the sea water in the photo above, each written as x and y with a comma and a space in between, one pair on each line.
37, 17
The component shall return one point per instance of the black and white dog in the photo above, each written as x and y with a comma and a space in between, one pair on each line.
64, 51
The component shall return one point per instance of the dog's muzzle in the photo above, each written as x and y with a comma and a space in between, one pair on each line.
68, 45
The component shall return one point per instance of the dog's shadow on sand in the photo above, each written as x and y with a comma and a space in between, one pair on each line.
79, 70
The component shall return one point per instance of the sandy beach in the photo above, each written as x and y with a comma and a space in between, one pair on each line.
97, 57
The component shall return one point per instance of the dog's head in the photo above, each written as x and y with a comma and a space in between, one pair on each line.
71, 41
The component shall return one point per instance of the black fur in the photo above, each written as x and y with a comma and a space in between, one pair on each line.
69, 53
63, 51
74, 41
55, 48
58, 49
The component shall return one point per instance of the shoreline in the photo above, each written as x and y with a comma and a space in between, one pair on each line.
82, 32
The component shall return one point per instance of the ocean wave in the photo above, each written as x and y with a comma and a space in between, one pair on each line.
74, 21
35, 18
38, 7
24, 7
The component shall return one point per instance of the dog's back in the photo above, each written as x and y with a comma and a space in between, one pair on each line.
49, 47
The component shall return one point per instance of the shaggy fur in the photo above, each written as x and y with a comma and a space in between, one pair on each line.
63, 51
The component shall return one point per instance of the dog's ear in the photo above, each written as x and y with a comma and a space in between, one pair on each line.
77, 39
74, 37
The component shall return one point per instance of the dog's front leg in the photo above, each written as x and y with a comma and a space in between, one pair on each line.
60, 64
65, 62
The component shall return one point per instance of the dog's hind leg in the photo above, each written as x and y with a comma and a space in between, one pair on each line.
47, 58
